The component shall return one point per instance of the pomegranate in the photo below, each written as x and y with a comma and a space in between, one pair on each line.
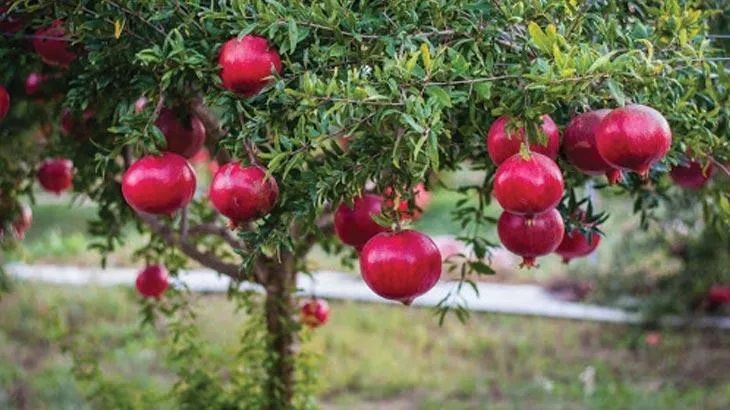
56, 175
8, 23
152, 281
315, 312
653, 338
400, 265
22, 222
4, 102
71, 123
531, 236
33, 83
576, 244
502, 144
633, 138
691, 175
579, 145
355, 226
52, 45
243, 193
718, 295
528, 185
159, 184
184, 139
247, 63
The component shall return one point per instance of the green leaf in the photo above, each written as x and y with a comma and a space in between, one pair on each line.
440, 95
538, 37
616, 92
601, 61
413, 124
293, 34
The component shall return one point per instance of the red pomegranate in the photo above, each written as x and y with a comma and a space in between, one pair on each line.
247, 63
528, 185
8, 23
56, 175
52, 45
579, 145
315, 312
502, 144
184, 139
152, 281
22, 222
33, 83
4, 102
633, 138
355, 226
531, 237
73, 124
400, 265
576, 244
159, 184
718, 295
691, 175
243, 193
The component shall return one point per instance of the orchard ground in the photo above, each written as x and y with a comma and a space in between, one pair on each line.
372, 356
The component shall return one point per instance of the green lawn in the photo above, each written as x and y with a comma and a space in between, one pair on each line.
373, 357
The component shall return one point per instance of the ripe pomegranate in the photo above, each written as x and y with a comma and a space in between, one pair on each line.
33, 83
52, 45
502, 144
355, 226
633, 138
400, 265
691, 175
4, 102
531, 236
243, 193
576, 244
718, 295
184, 139
56, 175
653, 338
152, 281
528, 185
579, 145
247, 63
8, 23
159, 184
22, 222
315, 312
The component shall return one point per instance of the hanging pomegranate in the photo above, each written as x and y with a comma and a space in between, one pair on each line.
531, 236
502, 144
52, 45
159, 184
528, 185
243, 193
152, 281
576, 244
633, 138
691, 175
579, 146
315, 312
355, 225
247, 64
185, 138
56, 175
400, 265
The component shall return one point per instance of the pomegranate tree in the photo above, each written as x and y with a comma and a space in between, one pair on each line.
305, 111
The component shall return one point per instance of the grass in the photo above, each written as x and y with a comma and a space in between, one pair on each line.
374, 356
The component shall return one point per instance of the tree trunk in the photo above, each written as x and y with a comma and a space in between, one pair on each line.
281, 328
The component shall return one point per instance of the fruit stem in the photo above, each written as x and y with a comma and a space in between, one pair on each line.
614, 176
250, 152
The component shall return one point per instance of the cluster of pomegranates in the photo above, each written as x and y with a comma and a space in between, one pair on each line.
528, 183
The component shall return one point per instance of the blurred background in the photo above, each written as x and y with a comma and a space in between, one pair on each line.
59, 344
